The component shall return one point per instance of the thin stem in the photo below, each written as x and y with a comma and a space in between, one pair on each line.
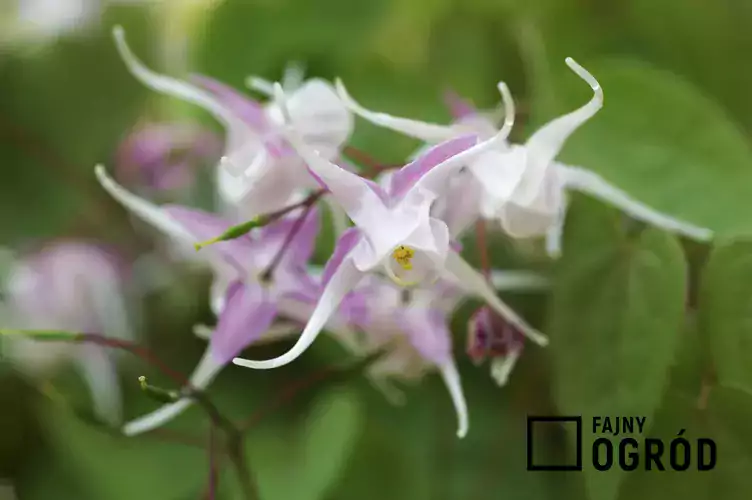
136, 350
367, 161
266, 275
213, 469
232, 433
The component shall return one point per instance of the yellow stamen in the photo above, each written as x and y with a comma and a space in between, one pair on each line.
404, 255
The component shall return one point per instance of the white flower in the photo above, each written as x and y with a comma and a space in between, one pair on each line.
525, 188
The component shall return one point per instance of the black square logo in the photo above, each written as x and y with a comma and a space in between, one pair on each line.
538, 422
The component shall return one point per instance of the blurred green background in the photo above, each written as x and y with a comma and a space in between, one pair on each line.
674, 132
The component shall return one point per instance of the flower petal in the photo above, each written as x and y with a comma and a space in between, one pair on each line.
427, 330
250, 111
351, 191
167, 85
545, 144
163, 221
458, 106
98, 369
303, 243
436, 179
344, 279
406, 177
591, 183
427, 132
475, 283
240, 144
204, 373
247, 314
459, 209
502, 367
452, 380
148, 212
318, 115
204, 226
344, 245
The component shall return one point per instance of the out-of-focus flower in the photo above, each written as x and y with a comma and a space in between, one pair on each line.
489, 336
72, 286
165, 156
414, 327
259, 172
394, 232
33, 23
525, 188
246, 300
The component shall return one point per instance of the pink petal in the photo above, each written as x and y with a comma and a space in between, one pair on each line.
248, 313
406, 177
204, 226
250, 111
458, 106
344, 245
428, 332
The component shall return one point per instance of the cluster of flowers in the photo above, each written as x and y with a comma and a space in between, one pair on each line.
396, 273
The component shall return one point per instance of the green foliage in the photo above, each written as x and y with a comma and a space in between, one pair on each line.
615, 322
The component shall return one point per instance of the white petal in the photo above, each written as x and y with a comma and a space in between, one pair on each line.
110, 309
167, 85
362, 205
344, 279
148, 212
436, 180
203, 375
509, 111
260, 85
589, 182
294, 76
427, 132
502, 367
475, 283
452, 380
320, 118
99, 371
555, 233
338, 215
545, 144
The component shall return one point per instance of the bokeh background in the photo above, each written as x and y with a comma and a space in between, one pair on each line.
674, 133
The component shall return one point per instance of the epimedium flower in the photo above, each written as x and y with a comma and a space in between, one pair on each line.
489, 336
525, 189
413, 326
258, 172
394, 233
74, 286
159, 157
254, 283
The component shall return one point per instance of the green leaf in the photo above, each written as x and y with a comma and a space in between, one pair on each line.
663, 141
618, 303
676, 413
724, 316
729, 414
314, 453
103, 460
705, 55
412, 451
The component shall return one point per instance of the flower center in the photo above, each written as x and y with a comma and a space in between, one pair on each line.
403, 255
